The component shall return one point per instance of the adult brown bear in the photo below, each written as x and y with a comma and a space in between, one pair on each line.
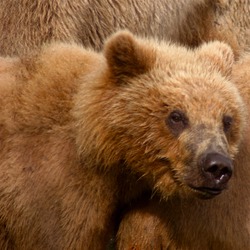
30, 23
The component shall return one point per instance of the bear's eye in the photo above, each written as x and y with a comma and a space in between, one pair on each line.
177, 121
227, 122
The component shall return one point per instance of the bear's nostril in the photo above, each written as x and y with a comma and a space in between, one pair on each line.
212, 169
220, 174
226, 171
218, 167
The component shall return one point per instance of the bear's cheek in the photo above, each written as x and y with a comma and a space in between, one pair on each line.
169, 172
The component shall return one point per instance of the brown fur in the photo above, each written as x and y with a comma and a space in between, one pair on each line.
232, 24
29, 24
83, 134
219, 224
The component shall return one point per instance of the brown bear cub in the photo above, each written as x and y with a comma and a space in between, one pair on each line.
191, 224
84, 133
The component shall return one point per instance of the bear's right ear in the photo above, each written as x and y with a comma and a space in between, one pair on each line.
218, 54
127, 56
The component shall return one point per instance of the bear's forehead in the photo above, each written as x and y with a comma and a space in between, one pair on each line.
182, 83
199, 95
202, 102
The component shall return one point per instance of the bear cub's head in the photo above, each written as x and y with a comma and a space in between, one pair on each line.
167, 113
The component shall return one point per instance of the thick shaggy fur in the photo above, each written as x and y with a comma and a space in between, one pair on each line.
29, 24
185, 224
232, 24
83, 134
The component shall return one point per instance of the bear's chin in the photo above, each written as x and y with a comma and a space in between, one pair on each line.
203, 192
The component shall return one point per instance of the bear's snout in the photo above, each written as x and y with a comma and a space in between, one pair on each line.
216, 170
217, 167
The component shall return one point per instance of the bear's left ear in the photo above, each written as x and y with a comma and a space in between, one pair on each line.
219, 54
127, 56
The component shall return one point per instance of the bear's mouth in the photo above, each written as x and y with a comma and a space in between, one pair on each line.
207, 192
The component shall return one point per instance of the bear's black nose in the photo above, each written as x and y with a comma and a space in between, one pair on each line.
217, 167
